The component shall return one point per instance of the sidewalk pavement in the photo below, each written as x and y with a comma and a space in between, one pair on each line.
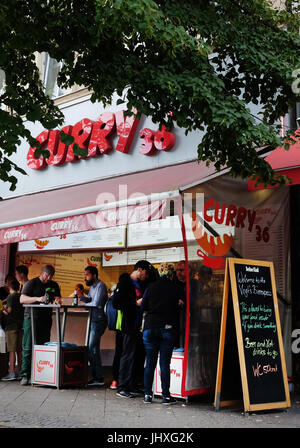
99, 407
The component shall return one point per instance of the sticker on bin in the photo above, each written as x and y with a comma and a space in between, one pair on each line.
175, 377
45, 366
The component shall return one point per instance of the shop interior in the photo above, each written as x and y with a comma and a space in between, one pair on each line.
205, 310
69, 271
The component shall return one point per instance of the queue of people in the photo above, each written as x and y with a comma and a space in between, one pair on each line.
150, 300
149, 303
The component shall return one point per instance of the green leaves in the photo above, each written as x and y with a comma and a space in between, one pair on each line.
204, 61
82, 152
67, 139
41, 152
35, 114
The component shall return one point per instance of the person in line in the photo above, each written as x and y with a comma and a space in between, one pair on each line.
139, 360
4, 290
33, 292
21, 273
161, 304
118, 344
126, 294
13, 331
116, 361
3, 296
3, 316
205, 276
179, 280
97, 297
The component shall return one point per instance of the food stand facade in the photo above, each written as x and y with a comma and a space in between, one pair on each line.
144, 197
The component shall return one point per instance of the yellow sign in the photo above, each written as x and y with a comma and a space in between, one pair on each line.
69, 267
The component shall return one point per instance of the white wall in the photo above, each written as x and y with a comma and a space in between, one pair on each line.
110, 165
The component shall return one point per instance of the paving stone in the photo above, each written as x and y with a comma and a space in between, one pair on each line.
42, 407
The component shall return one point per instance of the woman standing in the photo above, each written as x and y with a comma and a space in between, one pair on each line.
161, 304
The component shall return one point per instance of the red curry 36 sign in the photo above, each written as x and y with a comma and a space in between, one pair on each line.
95, 137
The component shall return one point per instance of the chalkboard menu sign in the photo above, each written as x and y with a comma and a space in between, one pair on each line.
251, 332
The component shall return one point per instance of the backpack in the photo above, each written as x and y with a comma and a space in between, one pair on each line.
111, 314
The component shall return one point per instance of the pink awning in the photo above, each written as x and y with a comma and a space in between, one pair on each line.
284, 162
80, 208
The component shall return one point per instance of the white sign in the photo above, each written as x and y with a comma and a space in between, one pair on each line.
161, 231
150, 233
135, 256
45, 365
102, 238
122, 258
164, 255
114, 258
155, 256
176, 369
112, 164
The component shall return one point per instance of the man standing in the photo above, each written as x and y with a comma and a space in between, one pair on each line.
13, 330
97, 297
33, 292
22, 275
126, 294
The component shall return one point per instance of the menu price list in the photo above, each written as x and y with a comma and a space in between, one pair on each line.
259, 334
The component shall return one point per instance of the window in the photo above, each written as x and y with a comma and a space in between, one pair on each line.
50, 70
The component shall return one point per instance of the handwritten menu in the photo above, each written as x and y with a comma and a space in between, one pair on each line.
259, 334
251, 363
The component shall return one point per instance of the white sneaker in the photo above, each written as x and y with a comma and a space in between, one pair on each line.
96, 383
24, 381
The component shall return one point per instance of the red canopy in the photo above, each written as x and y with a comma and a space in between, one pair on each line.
82, 207
284, 162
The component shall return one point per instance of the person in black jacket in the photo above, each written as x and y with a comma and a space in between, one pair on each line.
129, 289
161, 304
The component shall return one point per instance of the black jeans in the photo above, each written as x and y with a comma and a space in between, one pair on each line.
127, 362
117, 355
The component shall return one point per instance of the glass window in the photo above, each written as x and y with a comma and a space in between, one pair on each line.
51, 69
235, 222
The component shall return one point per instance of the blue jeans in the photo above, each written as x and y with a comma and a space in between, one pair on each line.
158, 340
96, 331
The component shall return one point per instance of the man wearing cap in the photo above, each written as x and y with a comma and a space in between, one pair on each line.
33, 292
129, 289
